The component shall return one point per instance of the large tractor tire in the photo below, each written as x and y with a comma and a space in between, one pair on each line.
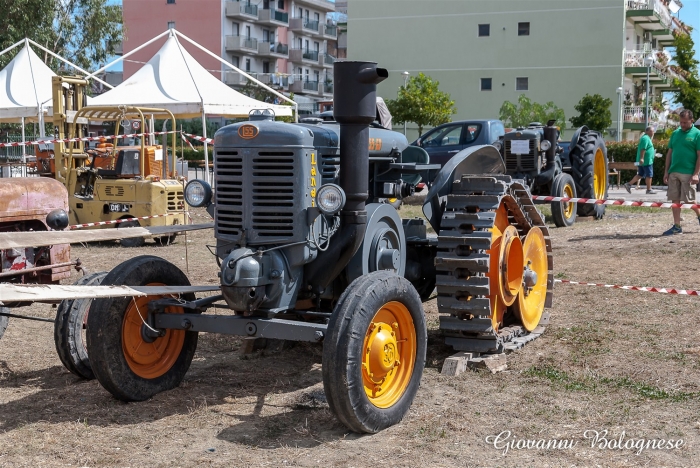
127, 363
589, 165
131, 241
4, 321
494, 263
69, 329
564, 213
374, 352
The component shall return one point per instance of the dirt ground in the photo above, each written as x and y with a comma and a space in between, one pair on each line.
625, 362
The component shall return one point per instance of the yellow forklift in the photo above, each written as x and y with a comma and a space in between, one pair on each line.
113, 180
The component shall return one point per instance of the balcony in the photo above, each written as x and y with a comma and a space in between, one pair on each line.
650, 14
305, 26
273, 17
304, 87
328, 60
323, 5
309, 57
273, 50
328, 87
330, 31
233, 78
634, 119
246, 45
242, 10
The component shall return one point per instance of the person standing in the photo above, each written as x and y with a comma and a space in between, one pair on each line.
682, 168
645, 161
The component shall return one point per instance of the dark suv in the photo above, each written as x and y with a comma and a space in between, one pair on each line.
448, 139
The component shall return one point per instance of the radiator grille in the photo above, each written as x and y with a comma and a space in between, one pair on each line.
521, 162
176, 201
258, 193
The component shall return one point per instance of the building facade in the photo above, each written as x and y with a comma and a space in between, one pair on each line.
287, 44
485, 53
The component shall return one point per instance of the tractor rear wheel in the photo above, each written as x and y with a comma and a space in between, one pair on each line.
4, 320
374, 353
69, 329
589, 164
126, 361
564, 213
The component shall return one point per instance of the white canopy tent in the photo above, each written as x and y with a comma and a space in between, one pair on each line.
174, 80
25, 87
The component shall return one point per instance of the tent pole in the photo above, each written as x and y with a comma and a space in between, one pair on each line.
42, 125
12, 47
206, 148
24, 153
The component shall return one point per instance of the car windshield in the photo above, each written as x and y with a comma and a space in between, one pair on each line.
449, 135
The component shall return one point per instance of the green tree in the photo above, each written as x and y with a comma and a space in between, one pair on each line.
85, 32
259, 93
422, 103
594, 112
526, 111
688, 89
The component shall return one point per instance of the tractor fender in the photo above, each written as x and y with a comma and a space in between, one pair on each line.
482, 159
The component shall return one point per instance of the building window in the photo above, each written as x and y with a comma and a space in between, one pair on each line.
523, 29
280, 4
266, 67
170, 2
521, 84
266, 36
235, 28
171, 24
247, 65
247, 32
484, 30
486, 84
235, 61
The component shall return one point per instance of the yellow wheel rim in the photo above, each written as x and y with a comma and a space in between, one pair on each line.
600, 177
498, 307
510, 266
389, 354
154, 359
530, 303
568, 207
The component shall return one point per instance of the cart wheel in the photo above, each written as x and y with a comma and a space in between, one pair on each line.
128, 363
374, 353
69, 329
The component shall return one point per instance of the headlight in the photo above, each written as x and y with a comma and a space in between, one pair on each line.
197, 193
330, 199
545, 145
497, 145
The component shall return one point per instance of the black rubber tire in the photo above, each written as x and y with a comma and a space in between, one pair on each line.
4, 321
582, 165
68, 329
342, 351
132, 241
104, 332
561, 181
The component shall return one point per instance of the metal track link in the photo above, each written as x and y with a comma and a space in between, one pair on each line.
462, 261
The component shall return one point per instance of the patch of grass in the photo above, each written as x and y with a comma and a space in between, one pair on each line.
592, 384
587, 339
633, 209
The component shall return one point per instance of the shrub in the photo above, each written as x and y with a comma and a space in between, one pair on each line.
626, 151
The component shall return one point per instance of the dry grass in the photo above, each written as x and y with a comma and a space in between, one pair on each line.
610, 359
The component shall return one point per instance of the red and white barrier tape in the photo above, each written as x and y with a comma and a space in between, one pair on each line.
199, 138
683, 292
117, 221
593, 201
97, 138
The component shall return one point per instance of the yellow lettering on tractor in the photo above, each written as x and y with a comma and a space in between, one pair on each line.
313, 170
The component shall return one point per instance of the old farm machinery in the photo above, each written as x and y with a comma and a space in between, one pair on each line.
308, 252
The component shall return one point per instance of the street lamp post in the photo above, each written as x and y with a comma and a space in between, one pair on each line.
619, 113
648, 61
405, 83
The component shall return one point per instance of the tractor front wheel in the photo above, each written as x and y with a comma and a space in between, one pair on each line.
374, 353
564, 213
127, 360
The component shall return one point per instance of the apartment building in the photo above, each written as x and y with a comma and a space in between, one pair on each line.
487, 52
286, 44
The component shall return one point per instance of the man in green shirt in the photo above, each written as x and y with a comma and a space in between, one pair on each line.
645, 161
682, 168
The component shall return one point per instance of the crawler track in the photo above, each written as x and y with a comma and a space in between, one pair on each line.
462, 261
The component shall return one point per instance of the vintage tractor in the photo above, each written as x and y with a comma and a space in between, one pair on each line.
307, 252
535, 155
